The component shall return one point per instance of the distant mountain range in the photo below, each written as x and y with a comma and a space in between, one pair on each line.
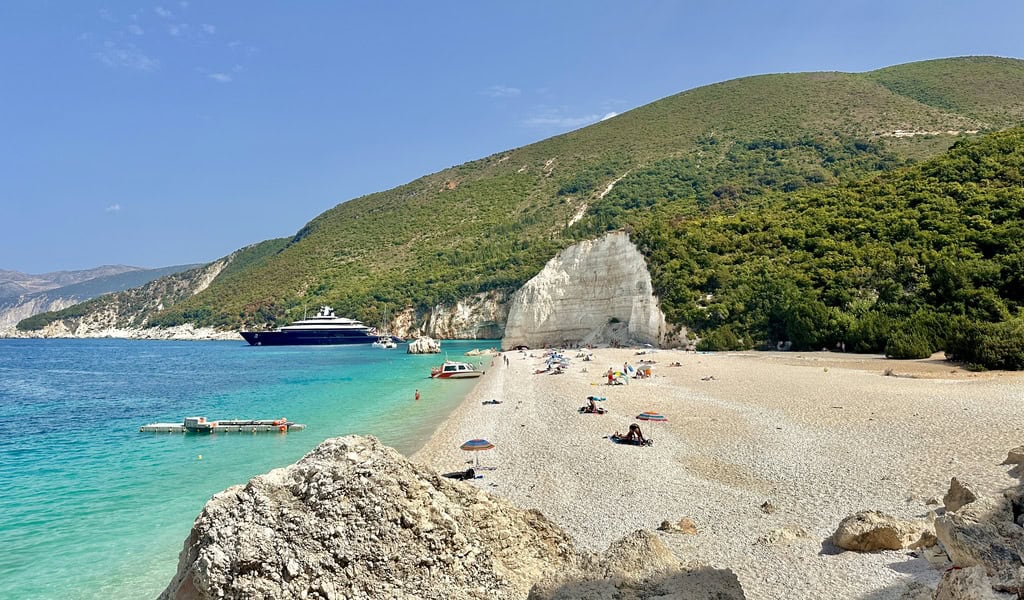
15, 283
23, 295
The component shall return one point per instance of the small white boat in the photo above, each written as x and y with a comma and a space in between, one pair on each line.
455, 370
385, 342
384, 339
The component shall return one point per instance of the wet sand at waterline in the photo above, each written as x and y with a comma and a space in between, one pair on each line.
817, 435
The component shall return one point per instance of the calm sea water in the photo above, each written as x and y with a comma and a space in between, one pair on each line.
92, 508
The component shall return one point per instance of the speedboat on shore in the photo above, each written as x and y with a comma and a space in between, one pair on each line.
455, 370
323, 329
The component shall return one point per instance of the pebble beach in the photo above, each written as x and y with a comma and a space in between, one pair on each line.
764, 452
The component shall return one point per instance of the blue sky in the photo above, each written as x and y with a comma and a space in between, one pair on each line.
168, 132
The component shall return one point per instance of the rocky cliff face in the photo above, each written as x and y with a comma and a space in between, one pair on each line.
481, 316
15, 310
355, 519
594, 292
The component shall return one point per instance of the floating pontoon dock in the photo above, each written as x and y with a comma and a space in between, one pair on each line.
201, 425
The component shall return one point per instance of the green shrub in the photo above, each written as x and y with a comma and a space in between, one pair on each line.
721, 339
910, 344
988, 345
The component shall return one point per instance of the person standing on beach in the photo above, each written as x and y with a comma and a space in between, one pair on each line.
611, 376
417, 395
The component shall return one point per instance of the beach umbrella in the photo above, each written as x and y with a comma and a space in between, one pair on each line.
476, 446
597, 398
652, 417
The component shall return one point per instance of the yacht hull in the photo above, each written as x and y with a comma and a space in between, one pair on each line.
307, 338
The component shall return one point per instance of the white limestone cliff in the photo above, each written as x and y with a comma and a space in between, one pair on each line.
594, 292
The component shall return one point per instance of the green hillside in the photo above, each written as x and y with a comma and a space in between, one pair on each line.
493, 223
923, 258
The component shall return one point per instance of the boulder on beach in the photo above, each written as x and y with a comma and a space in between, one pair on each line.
1015, 456
872, 530
960, 493
424, 345
684, 525
355, 519
639, 565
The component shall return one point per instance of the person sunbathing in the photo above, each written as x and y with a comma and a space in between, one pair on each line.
634, 436
592, 407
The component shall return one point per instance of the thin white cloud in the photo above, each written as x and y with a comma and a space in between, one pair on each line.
163, 13
183, 4
609, 115
135, 29
113, 208
106, 15
220, 77
560, 121
177, 29
209, 29
502, 91
126, 55
241, 48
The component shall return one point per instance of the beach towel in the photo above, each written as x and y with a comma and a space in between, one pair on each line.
621, 440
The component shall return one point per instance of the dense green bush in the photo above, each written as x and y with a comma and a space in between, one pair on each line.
988, 345
720, 340
908, 344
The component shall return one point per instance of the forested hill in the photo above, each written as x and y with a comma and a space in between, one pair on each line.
923, 258
493, 223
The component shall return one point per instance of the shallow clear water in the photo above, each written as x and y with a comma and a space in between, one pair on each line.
92, 508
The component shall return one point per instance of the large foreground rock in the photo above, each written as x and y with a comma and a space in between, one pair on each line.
355, 519
984, 534
871, 530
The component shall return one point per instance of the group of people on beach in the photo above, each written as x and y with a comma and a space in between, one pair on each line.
633, 436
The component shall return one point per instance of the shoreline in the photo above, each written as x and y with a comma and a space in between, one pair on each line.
817, 435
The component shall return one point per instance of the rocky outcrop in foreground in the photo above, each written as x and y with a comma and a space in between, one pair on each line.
594, 292
355, 519
981, 535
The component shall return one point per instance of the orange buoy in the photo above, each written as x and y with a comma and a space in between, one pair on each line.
283, 428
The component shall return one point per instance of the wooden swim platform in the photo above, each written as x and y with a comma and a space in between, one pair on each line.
202, 425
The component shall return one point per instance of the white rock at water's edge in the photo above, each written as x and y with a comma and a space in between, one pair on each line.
593, 292
424, 345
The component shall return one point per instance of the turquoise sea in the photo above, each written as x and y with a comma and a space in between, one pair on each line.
92, 508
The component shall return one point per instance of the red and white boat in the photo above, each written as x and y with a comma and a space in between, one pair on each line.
455, 370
